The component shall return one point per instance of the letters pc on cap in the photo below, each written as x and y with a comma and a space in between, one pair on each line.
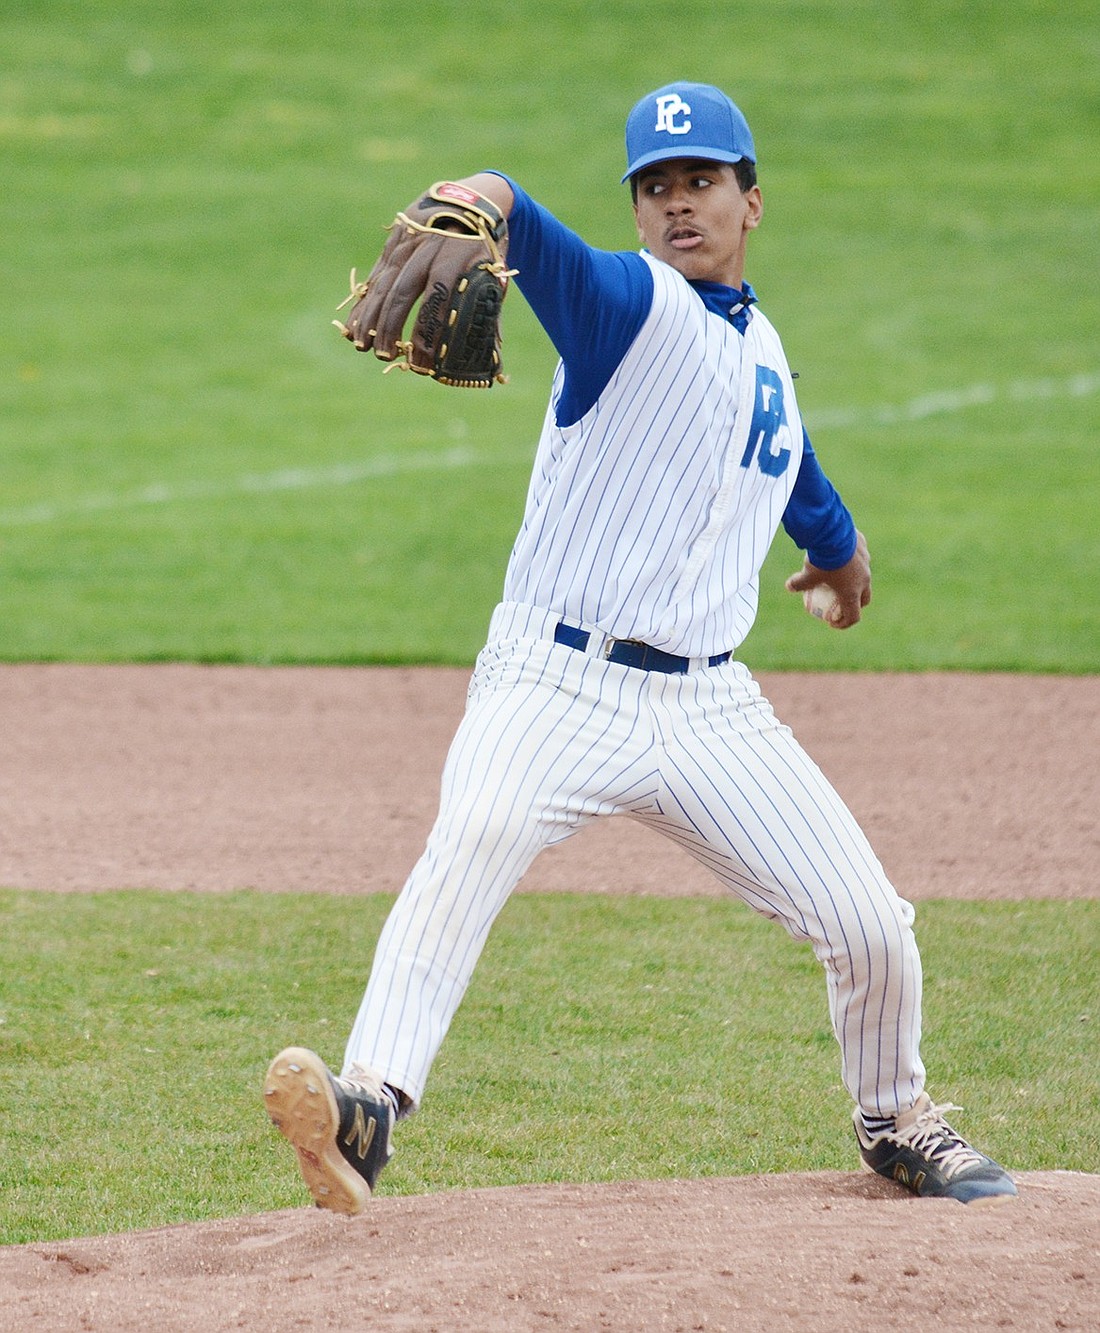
686, 120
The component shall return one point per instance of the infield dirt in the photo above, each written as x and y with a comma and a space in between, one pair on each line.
325, 780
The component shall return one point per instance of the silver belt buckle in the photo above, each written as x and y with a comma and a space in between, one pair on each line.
610, 645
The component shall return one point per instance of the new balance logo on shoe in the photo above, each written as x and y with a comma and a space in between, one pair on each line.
901, 1175
361, 1133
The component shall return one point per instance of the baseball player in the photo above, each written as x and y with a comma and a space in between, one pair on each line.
671, 452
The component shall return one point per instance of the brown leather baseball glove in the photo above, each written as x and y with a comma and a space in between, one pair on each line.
451, 245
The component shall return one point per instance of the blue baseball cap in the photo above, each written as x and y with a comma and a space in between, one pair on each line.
686, 120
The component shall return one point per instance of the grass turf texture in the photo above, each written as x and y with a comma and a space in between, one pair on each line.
602, 1039
196, 467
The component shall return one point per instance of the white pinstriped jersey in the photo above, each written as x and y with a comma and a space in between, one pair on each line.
650, 517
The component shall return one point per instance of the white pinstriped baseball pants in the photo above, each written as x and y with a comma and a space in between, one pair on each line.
552, 738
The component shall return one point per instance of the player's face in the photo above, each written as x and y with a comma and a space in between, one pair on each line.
692, 215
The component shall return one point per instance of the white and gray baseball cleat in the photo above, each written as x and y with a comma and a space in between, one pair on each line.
924, 1154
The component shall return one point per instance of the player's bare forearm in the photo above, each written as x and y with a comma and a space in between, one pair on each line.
836, 596
493, 187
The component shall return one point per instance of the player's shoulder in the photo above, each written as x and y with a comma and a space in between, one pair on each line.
762, 329
667, 283
675, 304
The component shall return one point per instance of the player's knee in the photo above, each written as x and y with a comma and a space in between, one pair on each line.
871, 947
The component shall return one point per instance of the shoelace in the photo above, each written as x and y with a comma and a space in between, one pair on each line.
361, 1080
932, 1135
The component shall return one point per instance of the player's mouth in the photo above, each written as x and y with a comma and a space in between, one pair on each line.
684, 238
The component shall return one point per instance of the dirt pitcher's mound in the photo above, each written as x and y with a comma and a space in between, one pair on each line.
822, 1253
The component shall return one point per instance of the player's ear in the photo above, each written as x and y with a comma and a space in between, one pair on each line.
755, 201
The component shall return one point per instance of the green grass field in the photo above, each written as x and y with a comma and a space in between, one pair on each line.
195, 466
602, 1039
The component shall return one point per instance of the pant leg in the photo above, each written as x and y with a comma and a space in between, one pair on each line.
746, 800
542, 748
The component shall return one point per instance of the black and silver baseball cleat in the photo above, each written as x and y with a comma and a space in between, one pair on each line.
924, 1154
340, 1129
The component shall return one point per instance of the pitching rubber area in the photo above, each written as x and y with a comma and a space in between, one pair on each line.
982, 1201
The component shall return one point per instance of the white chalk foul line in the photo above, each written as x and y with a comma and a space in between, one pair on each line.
957, 400
392, 465
250, 483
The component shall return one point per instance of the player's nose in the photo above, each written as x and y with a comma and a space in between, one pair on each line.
677, 202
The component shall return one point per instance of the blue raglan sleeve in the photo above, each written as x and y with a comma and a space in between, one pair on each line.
816, 519
591, 302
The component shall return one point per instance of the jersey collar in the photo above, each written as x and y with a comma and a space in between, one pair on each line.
731, 303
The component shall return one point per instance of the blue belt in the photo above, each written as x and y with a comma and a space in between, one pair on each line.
630, 652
